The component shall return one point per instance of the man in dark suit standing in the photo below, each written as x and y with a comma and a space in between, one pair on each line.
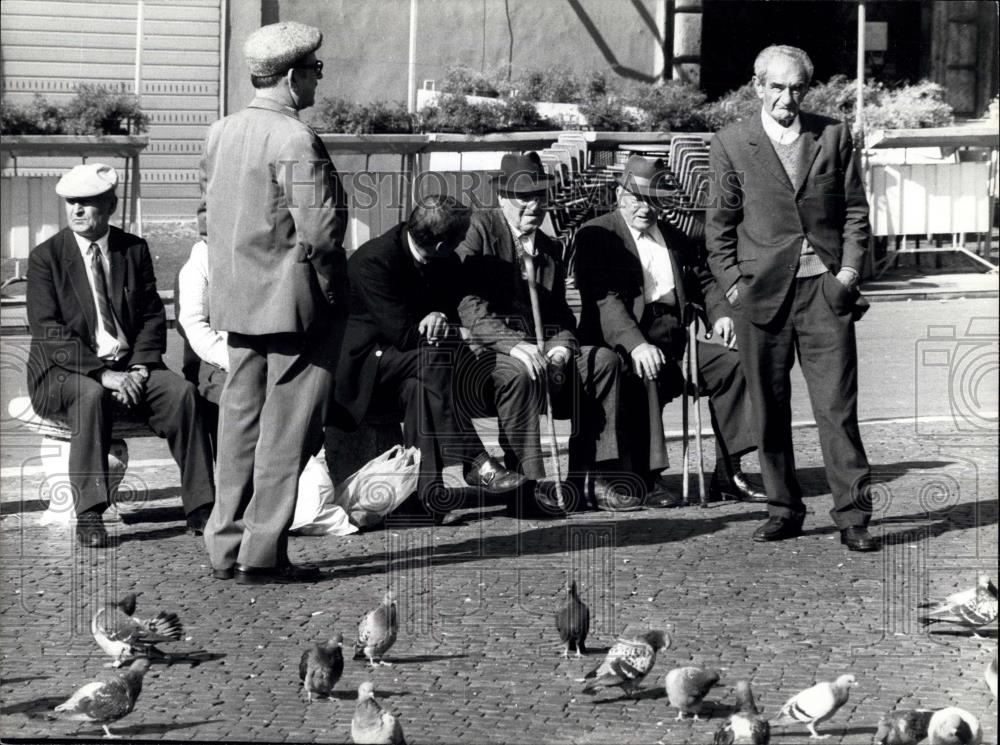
98, 333
502, 246
402, 345
787, 236
638, 276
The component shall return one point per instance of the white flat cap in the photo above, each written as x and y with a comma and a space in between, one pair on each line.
271, 49
87, 180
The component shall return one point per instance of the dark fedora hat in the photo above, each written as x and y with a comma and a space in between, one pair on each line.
522, 174
647, 177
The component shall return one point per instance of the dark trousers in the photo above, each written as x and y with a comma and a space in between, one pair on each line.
171, 407
587, 394
825, 344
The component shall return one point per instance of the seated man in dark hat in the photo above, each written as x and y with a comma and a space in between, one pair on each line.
637, 276
402, 345
502, 248
98, 334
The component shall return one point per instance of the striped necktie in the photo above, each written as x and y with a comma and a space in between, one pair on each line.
103, 298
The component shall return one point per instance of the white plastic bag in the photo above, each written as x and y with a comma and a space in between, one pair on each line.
380, 486
316, 510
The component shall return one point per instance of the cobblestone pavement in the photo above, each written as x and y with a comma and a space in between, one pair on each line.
478, 658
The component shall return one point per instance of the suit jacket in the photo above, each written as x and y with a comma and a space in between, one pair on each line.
61, 312
276, 214
755, 225
609, 277
389, 296
496, 308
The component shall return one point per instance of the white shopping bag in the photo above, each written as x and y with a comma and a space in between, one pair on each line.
379, 486
316, 511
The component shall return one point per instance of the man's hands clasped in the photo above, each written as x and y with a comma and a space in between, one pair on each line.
128, 387
552, 363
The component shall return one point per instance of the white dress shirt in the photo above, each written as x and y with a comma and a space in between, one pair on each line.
657, 271
781, 135
192, 289
108, 347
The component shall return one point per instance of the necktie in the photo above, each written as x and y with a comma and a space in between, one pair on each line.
103, 298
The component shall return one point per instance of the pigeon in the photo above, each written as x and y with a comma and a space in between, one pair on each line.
903, 727
687, 688
991, 675
372, 724
954, 726
106, 701
627, 662
573, 623
746, 726
377, 632
815, 705
971, 608
124, 637
321, 667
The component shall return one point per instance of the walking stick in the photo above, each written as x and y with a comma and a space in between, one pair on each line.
536, 312
685, 466
693, 360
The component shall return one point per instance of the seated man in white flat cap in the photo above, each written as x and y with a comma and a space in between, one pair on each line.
98, 333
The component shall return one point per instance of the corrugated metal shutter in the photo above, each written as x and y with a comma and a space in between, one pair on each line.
50, 47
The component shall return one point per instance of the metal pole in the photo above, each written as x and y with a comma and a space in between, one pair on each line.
223, 55
138, 51
411, 78
860, 103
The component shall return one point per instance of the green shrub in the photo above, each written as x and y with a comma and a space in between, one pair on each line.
734, 106
37, 117
342, 116
608, 114
672, 106
457, 114
461, 80
910, 107
96, 109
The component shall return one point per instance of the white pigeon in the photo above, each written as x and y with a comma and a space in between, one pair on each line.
971, 608
124, 637
106, 701
377, 631
372, 723
954, 726
745, 725
687, 687
816, 704
990, 675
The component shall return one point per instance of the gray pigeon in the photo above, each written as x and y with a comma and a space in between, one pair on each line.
971, 608
377, 631
627, 663
123, 636
106, 701
321, 667
816, 704
903, 727
372, 723
991, 675
745, 726
687, 688
954, 726
573, 623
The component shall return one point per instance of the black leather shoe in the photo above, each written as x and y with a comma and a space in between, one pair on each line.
90, 531
247, 575
197, 518
778, 529
739, 486
226, 573
663, 496
489, 474
859, 539
608, 496
538, 500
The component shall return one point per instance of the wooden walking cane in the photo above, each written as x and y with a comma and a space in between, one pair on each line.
693, 360
536, 312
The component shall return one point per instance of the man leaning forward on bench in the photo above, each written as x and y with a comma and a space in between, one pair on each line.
98, 333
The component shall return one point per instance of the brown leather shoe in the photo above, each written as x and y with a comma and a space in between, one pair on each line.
488, 474
778, 529
90, 531
608, 496
859, 539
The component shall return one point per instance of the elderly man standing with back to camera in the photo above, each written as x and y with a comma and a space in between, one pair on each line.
787, 237
276, 217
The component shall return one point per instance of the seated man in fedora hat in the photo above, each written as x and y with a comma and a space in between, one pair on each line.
638, 277
500, 248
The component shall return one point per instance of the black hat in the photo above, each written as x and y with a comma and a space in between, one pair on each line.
646, 177
522, 174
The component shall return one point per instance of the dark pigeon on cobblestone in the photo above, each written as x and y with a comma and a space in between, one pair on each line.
377, 632
627, 663
106, 701
687, 687
745, 726
815, 705
971, 608
573, 623
903, 727
954, 726
321, 667
991, 675
123, 636
373, 724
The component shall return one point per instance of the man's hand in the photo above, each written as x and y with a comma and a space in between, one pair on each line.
434, 326
848, 277
647, 360
726, 329
529, 356
128, 387
557, 358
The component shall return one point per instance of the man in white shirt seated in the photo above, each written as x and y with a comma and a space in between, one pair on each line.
636, 275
